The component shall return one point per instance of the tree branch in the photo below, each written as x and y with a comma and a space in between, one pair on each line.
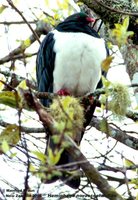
42, 28
117, 134
23, 128
17, 22
90, 171
93, 174
135, 14
18, 11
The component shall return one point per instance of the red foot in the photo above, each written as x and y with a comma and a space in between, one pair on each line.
63, 92
91, 99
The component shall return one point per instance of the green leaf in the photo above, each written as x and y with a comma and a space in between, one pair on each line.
9, 98
129, 163
106, 63
60, 126
53, 157
23, 85
126, 23
15, 99
56, 173
26, 43
110, 45
9, 135
120, 33
41, 156
105, 82
56, 139
32, 168
2, 8
135, 182
13, 155
5, 147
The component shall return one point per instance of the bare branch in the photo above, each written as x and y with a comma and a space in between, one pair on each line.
19, 51
17, 22
26, 186
18, 11
117, 134
23, 128
93, 174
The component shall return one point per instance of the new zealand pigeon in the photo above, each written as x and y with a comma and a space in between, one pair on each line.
69, 62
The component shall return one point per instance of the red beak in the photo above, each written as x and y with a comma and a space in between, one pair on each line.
90, 19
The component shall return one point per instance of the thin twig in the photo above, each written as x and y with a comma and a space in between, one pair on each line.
17, 22
24, 128
26, 186
17, 10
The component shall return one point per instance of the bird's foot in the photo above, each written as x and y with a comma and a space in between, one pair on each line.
63, 92
91, 99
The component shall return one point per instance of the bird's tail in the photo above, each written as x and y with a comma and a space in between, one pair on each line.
68, 168
71, 170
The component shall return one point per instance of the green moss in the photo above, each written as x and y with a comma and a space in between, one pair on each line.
68, 115
120, 99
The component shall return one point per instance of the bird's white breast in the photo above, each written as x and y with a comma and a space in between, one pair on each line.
77, 62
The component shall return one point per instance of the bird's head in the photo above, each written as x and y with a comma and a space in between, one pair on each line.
80, 17
78, 22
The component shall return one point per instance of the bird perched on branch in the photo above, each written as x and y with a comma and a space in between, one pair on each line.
69, 63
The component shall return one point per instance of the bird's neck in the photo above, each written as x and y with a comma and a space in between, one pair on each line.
76, 27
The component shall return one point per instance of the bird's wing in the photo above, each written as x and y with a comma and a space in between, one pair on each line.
45, 66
